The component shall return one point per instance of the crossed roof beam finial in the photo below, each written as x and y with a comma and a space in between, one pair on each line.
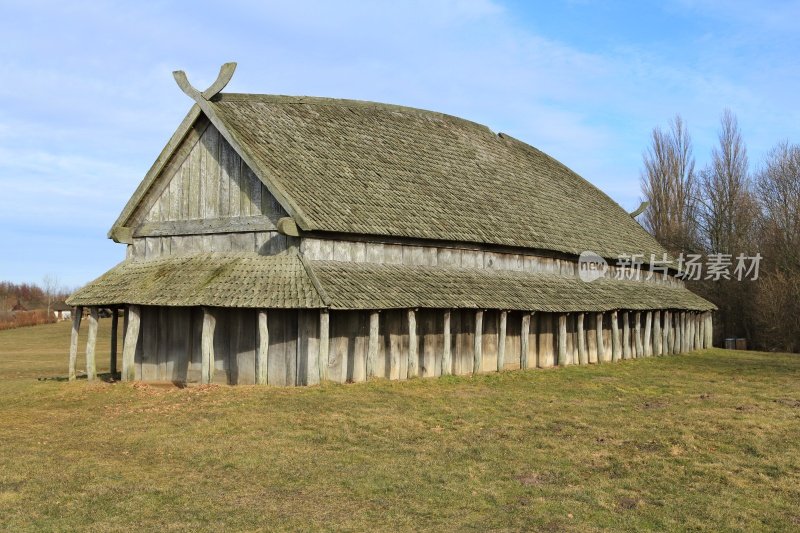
225, 74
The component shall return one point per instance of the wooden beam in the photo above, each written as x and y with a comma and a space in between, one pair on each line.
583, 355
447, 352
413, 345
208, 226
648, 334
287, 226
637, 334
131, 340
501, 342
91, 344
616, 341
698, 326
665, 346
524, 340
562, 339
73, 343
477, 356
114, 328
601, 348
709, 329
324, 343
701, 325
262, 352
372, 348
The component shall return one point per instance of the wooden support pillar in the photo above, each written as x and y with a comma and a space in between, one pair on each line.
601, 347
709, 331
524, 340
262, 352
683, 347
583, 355
477, 357
91, 344
413, 344
666, 347
626, 335
648, 334
637, 334
562, 339
676, 332
324, 343
207, 347
131, 340
501, 341
657, 333
447, 353
112, 366
73, 343
698, 329
701, 326
616, 341
372, 347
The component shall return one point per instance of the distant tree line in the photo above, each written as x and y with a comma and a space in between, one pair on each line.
726, 209
31, 295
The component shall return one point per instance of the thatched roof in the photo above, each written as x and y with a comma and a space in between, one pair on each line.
287, 281
376, 169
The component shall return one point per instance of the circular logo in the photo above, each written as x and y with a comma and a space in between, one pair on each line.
591, 266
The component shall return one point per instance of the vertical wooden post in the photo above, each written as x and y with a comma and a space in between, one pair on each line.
698, 332
412, 344
709, 331
447, 352
601, 347
524, 340
616, 342
501, 341
665, 346
372, 348
477, 357
637, 334
701, 320
73, 343
583, 356
207, 347
562, 339
684, 336
626, 335
262, 353
657, 333
324, 343
131, 340
91, 343
114, 329
676, 332
648, 334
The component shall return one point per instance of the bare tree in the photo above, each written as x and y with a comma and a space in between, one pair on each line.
669, 184
728, 209
50, 286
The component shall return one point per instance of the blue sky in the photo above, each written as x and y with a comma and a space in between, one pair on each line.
87, 99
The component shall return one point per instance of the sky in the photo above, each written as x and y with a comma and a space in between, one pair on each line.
87, 98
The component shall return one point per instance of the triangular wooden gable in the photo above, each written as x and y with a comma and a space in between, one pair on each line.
202, 179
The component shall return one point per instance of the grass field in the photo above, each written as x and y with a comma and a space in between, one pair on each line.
708, 441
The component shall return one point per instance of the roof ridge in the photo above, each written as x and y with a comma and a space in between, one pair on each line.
322, 100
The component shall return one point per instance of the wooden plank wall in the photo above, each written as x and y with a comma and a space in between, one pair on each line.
262, 242
211, 182
411, 254
169, 348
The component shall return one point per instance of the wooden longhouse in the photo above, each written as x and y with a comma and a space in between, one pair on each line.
292, 240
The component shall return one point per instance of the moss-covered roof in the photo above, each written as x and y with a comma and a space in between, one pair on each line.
216, 280
286, 281
360, 167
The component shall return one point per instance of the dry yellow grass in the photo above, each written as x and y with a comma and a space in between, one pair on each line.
708, 441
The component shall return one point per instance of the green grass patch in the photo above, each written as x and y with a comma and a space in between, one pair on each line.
707, 441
